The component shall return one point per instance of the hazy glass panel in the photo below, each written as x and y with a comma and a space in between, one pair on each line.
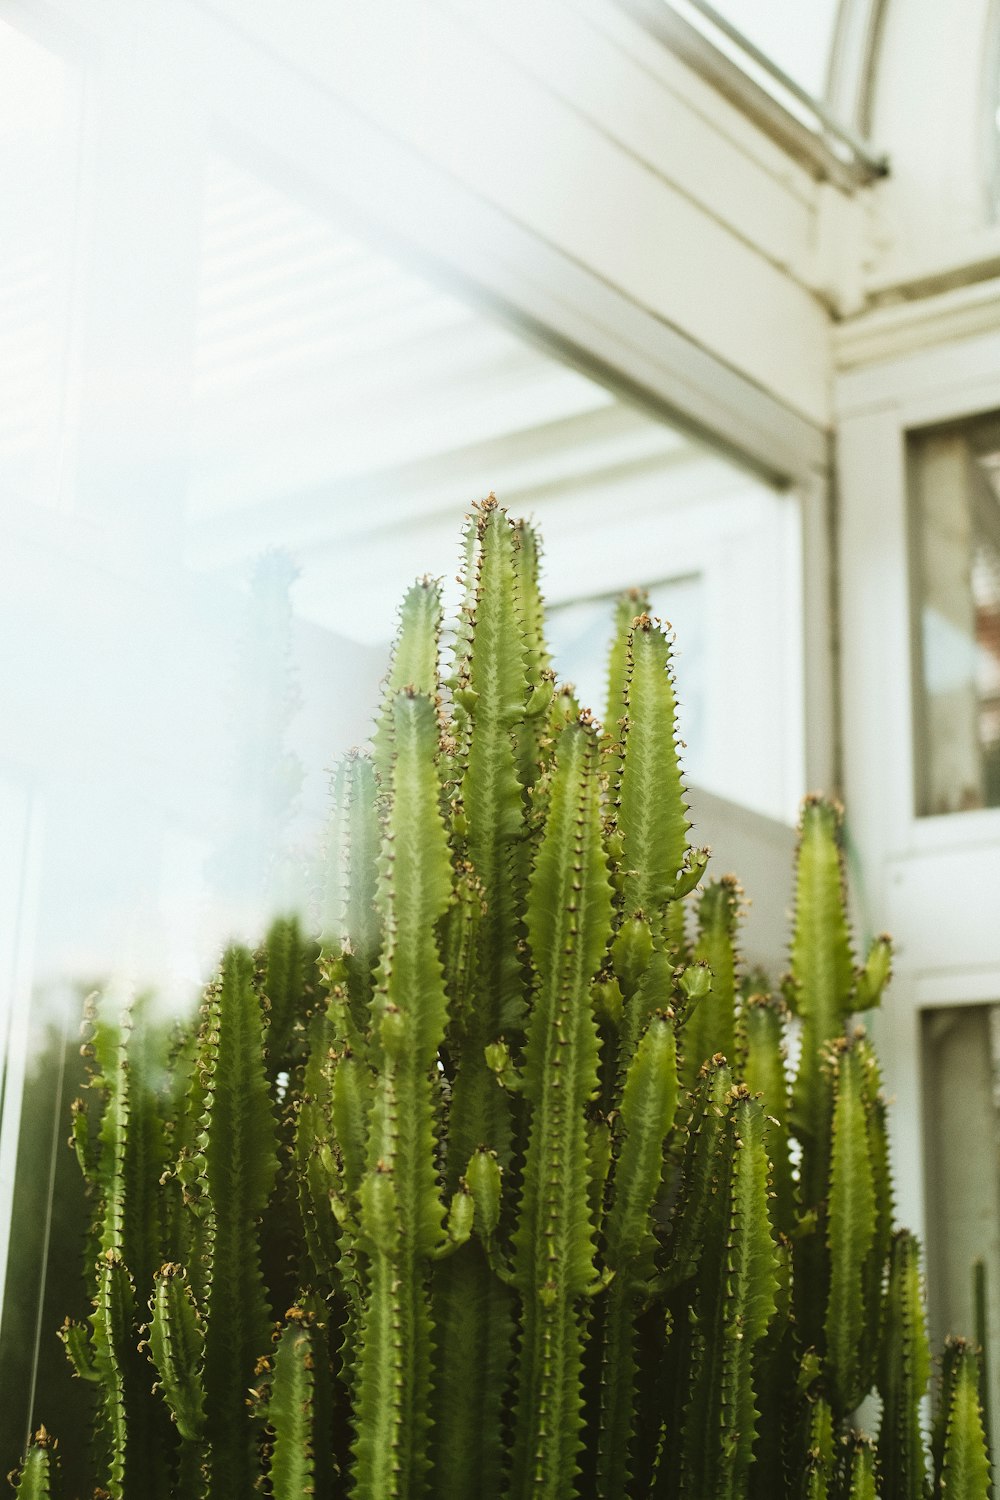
961, 1067
237, 428
955, 505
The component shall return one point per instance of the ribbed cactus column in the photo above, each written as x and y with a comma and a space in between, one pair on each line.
824, 990
36, 1477
402, 1217
237, 1166
904, 1372
648, 1104
823, 981
498, 645
961, 1458
122, 1159
569, 925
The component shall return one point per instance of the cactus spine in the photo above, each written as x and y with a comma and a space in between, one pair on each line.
490, 1189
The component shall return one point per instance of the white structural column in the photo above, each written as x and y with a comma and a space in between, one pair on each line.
933, 881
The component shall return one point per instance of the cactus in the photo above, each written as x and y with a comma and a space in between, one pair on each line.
35, 1479
961, 1459
500, 1186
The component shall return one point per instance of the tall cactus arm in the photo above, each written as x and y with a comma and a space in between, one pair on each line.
851, 1234
139, 1152
79, 1349
965, 1467
905, 1371
774, 1381
459, 950
126, 1232
649, 1102
176, 1349
350, 917
474, 1336
862, 1484
569, 926
820, 1454
114, 1345
761, 1028
750, 1292
648, 1105
877, 1263
289, 960
654, 991
651, 810
290, 1411
314, 1149
735, 1300
414, 664
34, 1482
628, 606
105, 1047
530, 734
951, 1358
876, 973
238, 1155
401, 1210
823, 980
532, 605
184, 1183
711, 1026
631, 954
498, 651
696, 1214
493, 686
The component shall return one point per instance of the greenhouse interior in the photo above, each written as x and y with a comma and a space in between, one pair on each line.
323, 324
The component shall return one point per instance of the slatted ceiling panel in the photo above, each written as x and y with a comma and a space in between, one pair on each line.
282, 286
320, 361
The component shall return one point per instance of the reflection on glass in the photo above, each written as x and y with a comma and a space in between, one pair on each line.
955, 499
961, 1110
243, 428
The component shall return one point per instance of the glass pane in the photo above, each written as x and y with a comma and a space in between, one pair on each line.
277, 426
955, 502
961, 1067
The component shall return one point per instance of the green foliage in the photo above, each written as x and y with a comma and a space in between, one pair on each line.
500, 1187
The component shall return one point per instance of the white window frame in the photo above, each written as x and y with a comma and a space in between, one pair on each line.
933, 881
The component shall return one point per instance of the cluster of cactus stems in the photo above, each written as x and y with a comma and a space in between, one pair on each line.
502, 1186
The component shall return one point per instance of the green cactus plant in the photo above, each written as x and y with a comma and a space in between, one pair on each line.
500, 1186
